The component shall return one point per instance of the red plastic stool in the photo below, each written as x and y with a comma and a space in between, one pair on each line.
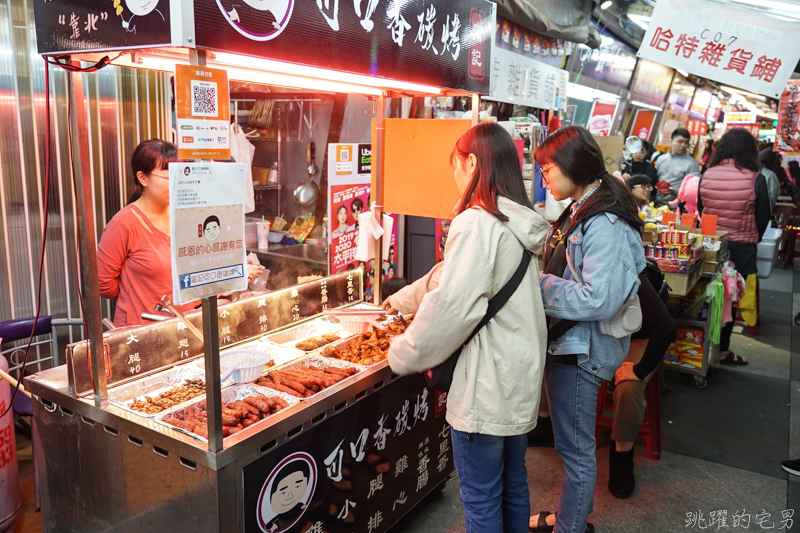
651, 427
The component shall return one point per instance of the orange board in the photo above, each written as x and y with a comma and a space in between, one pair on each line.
417, 176
202, 100
708, 225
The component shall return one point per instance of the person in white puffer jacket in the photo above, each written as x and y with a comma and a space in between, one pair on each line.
494, 398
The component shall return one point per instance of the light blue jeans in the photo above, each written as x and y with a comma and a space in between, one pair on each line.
572, 396
494, 482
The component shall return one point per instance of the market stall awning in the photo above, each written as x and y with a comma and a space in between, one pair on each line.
563, 19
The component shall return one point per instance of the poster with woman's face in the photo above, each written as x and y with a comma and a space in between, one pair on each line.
286, 493
347, 202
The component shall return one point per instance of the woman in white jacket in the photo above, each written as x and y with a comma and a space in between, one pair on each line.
494, 397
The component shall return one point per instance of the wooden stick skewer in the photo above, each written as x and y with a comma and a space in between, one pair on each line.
14, 383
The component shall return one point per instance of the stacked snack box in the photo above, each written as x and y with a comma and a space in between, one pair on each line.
687, 350
676, 251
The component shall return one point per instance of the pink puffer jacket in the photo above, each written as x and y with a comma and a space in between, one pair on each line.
730, 194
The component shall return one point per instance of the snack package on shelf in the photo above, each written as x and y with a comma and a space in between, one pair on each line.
685, 355
687, 350
302, 226
690, 336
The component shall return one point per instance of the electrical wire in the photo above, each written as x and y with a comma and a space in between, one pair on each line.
104, 62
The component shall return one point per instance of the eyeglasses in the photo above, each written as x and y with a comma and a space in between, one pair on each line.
544, 172
159, 176
646, 188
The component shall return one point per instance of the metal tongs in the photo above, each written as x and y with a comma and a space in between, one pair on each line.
174, 310
367, 313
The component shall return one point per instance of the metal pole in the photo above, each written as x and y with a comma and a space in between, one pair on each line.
211, 356
377, 161
90, 288
476, 107
211, 340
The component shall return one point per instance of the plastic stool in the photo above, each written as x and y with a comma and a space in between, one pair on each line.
651, 427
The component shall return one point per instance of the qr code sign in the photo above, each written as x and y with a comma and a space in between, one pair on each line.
204, 98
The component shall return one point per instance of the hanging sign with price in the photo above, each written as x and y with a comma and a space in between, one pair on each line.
736, 46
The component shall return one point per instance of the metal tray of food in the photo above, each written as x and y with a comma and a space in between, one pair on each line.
291, 337
367, 349
304, 390
153, 386
196, 407
372, 347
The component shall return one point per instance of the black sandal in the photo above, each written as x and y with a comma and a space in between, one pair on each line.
542, 527
733, 359
541, 524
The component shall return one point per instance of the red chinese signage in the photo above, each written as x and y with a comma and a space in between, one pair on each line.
787, 134
738, 46
697, 127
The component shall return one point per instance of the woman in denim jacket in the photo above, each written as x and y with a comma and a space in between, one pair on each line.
598, 235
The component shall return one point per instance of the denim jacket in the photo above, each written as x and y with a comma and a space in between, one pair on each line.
608, 256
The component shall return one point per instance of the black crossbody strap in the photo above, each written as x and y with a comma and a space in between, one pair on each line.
499, 300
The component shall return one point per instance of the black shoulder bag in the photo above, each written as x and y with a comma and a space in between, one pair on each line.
441, 377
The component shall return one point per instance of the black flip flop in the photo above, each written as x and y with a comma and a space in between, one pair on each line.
541, 524
733, 359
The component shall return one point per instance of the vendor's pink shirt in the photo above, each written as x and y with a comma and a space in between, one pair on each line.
133, 265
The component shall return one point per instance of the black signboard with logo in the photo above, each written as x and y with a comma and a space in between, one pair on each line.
359, 472
443, 43
364, 158
81, 25
440, 43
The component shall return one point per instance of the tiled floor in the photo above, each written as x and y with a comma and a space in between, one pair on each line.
722, 446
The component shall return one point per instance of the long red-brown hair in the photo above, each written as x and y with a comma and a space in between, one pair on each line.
497, 171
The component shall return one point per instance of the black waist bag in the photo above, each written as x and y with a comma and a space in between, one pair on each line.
441, 377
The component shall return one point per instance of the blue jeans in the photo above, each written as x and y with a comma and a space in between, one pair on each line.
572, 396
494, 482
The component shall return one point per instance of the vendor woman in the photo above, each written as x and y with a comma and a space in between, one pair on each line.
134, 255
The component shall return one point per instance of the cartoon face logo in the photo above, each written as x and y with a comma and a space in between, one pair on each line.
141, 7
286, 493
211, 228
259, 20
138, 8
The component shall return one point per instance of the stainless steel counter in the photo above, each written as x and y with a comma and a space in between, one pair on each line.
51, 390
313, 254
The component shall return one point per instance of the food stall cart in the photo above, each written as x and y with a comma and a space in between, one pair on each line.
357, 453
